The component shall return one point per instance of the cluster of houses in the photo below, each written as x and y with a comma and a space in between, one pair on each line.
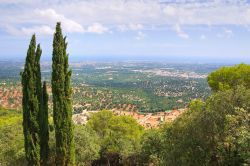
10, 97
152, 120
148, 120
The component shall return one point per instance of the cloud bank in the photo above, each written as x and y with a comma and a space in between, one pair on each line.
82, 16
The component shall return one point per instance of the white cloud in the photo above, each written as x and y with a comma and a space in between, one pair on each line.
140, 35
180, 32
135, 27
170, 11
130, 26
97, 28
48, 18
78, 16
122, 28
52, 16
41, 30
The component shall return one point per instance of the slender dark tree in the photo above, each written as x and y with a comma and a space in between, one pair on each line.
62, 106
37, 72
41, 113
44, 127
30, 103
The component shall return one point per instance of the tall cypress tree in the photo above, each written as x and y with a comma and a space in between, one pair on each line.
44, 127
30, 103
38, 93
62, 106
42, 96
37, 72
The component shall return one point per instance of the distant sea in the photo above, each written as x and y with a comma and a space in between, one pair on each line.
119, 58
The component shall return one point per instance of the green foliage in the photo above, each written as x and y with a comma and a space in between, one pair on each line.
88, 145
44, 126
231, 114
35, 108
212, 133
186, 141
120, 135
99, 122
31, 104
152, 146
123, 136
196, 105
11, 138
62, 107
8, 118
12, 142
235, 147
230, 77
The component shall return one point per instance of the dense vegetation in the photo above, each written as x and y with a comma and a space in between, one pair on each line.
214, 132
119, 138
106, 138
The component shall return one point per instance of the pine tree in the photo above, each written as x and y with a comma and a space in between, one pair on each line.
62, 106
30, 103
44, 126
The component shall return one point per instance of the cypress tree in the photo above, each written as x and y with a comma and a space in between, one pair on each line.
44, 127
43, 109
30, 103
62, 106
37, 72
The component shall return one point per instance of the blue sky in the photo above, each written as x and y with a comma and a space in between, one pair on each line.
189, 29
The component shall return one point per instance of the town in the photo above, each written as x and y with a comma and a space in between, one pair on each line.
147, 120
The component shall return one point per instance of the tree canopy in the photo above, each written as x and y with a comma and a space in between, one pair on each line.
230, 77
119, 135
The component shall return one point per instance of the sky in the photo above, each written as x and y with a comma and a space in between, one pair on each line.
198, 30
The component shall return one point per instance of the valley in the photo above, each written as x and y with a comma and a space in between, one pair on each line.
144, 87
